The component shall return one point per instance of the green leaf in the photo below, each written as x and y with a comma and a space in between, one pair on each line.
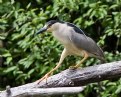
31, 71
9, 59
12, 1
28, 5
113, 6
6, 55
118, 90
10, 69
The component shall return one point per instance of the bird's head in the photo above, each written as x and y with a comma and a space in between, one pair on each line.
49, 26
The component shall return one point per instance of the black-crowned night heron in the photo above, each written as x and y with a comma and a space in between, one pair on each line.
75, 43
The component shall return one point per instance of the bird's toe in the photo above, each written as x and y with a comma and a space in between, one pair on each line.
73, 67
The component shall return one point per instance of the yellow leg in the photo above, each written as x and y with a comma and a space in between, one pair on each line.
78, 65
63, 55
48, 74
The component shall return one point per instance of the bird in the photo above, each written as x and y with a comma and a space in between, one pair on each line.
75, 42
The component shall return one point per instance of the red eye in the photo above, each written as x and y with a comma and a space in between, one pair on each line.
49, 25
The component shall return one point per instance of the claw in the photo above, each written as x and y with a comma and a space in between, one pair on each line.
74, 67
48, 74
44, 77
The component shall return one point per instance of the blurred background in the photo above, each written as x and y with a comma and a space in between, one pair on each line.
25, 58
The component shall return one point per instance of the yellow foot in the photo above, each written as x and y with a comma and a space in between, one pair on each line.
44, 78
74, 67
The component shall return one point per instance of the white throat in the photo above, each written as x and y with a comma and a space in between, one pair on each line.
60, 32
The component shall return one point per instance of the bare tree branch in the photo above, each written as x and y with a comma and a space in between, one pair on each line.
40, 92
68, 78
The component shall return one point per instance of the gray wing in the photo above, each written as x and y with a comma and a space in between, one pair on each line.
86, 43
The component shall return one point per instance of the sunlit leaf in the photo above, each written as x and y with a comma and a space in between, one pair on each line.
10, 69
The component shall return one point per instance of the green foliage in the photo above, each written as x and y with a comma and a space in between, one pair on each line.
28, 57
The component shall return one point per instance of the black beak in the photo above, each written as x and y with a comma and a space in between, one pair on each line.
41, 30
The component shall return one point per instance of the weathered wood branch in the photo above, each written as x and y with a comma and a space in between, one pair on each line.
68, 78
43, 92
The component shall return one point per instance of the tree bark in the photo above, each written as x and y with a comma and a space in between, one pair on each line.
68, 78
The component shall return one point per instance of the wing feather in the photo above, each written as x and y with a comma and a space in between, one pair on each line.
86, 43
77, 30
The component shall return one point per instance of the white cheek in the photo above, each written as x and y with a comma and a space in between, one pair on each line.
45, 26
49, 29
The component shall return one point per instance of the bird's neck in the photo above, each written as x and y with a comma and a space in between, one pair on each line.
61, 34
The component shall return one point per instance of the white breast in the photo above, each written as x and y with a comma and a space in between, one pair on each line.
62, 35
